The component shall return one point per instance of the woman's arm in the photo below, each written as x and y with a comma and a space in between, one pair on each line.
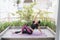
39, 28
35, 17
31, 28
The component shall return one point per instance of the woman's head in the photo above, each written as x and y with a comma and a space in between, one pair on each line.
33, 21
39, 21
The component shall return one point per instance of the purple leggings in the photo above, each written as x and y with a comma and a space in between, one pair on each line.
26, 30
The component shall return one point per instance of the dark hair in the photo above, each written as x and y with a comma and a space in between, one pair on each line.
33, 21
39, 22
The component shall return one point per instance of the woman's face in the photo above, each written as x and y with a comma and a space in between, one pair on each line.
36, 22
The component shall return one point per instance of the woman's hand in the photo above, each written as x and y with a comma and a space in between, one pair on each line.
39, 29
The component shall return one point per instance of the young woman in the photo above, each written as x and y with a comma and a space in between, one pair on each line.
36, 24
25, 30
29, 30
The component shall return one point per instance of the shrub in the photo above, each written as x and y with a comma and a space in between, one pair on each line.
50, 24
29, 23
16, 23
3, 26
19, 23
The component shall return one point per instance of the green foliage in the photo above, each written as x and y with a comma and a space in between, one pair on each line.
3, 26
29, 23
26, 13
17, 23
48, 23
6, 24
44, 14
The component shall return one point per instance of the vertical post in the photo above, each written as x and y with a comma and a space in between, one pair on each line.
58, 23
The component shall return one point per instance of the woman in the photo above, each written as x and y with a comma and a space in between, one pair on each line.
29, 30
36, 24
25, 30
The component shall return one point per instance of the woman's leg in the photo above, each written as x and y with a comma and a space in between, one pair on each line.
26, 30
16, 32
29, 31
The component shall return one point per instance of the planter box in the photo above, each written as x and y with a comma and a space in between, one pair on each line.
4, 31
54, 33
9, 37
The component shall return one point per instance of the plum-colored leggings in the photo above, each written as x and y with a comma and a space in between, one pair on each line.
26, 30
